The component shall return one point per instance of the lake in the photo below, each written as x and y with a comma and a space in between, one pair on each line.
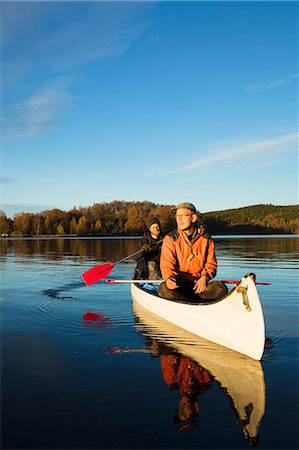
70, 383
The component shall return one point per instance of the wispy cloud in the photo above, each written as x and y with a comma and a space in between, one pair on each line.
46, 42
37, 114
220, 154
259, 87
58, 37
6, 180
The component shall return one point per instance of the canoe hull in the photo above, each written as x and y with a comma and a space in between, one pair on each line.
235, 322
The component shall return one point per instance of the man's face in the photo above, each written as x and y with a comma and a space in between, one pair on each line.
185, 218
155, 229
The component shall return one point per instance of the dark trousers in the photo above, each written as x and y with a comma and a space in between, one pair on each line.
214, 291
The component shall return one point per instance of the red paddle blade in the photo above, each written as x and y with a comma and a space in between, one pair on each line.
96, 273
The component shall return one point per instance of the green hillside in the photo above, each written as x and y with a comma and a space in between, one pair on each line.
255, 219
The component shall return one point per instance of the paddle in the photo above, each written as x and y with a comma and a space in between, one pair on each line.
238, 281
101, 271
112, 281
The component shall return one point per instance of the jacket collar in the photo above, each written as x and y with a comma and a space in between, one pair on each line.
195, 235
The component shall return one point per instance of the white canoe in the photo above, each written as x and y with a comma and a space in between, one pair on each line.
240, 377
236, 321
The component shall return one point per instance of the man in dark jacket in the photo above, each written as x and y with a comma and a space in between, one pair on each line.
148, 264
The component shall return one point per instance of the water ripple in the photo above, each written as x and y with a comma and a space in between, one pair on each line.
56, 292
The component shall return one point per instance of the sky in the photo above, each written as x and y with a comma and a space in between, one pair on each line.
160, 101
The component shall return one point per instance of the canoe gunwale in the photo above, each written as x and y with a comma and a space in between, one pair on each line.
188, 302
200, 302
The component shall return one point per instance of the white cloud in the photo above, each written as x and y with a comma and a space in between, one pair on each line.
259, 87
38, 114
222, 153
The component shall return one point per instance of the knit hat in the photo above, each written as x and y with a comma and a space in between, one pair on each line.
151, 220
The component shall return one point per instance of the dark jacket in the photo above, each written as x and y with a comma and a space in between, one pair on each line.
152, 255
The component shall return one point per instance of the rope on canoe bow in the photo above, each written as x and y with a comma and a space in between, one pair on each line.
243, 290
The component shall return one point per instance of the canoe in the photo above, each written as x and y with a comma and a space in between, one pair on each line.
236, 321
240, 378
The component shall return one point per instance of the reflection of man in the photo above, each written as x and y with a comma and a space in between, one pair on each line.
183, 374
188, 410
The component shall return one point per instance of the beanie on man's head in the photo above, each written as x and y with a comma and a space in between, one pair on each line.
151, 220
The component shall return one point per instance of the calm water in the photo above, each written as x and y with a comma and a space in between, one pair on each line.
122, 382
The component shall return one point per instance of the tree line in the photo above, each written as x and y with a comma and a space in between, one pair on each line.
118, 218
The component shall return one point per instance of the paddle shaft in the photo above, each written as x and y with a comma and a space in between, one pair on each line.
238, 281
134, 254
112, 281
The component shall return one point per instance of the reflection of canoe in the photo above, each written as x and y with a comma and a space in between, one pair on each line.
241, 378
236, 321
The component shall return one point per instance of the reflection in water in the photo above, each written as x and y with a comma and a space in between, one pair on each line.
183, 374
111, 249
95, 319
189, 364
51, 362
56, 293
95, 249
250, 247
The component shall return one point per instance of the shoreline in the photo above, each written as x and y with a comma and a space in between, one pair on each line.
112, 236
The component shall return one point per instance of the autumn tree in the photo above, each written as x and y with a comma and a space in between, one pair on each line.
73, 226
52, 218
6, 225
166, 217
60, 229
136, 219
83, 227
38, 225
23, 223
98, 229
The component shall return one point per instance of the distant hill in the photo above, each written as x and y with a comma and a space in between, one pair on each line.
119, 218
257, 219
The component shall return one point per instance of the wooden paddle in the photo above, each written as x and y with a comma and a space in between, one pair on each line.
112, 281
101, 271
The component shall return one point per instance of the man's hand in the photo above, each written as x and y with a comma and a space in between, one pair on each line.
200, 285
171, 283
146, 248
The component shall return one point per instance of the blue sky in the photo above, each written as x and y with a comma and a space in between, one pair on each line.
158, 101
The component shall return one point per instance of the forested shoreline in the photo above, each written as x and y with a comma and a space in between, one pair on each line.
119, 218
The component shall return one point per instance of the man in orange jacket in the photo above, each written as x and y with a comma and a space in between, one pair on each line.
188, 261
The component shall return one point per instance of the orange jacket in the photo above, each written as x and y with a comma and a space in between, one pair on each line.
177, 260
